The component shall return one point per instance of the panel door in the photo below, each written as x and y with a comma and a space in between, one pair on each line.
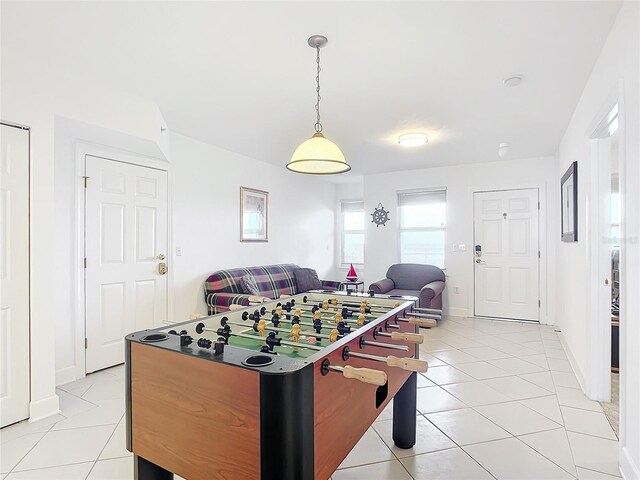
125, 248
14, 275
507, 263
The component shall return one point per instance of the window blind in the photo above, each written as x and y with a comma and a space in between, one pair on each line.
357, 206
424, 197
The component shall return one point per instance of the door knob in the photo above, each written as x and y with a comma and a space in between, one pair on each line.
162, 268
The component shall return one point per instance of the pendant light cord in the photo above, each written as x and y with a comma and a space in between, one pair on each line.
318, 125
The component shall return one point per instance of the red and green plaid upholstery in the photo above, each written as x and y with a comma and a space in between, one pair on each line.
223, 287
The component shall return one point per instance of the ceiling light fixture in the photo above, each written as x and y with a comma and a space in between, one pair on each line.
513, 80
414, 139
318, 156
503, 149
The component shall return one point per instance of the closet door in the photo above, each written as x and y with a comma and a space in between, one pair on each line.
14, 275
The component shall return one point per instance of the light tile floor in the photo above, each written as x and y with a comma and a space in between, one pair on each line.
499, 402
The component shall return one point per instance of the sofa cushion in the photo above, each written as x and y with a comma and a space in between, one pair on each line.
307, 279
414, 276
399, 291
249, 285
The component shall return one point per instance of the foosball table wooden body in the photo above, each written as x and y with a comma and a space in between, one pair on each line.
208, 413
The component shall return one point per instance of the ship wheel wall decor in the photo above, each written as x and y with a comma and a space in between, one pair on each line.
380, 215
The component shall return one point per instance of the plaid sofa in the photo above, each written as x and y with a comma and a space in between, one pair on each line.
223, 287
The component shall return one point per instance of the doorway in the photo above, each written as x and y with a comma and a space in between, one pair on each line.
125, 262
605, 249
14, 274
506, 254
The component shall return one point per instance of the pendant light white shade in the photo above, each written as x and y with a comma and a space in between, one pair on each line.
318, 156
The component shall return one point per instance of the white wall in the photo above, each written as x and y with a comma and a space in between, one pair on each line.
206, 218
619, 60
382, 249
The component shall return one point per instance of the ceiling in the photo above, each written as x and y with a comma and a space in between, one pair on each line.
241, 76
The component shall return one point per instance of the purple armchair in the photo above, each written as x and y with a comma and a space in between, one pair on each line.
423, 281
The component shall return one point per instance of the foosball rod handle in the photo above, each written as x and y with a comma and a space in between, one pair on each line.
366, 375
411, 364
425, 315
421, 322
407, 337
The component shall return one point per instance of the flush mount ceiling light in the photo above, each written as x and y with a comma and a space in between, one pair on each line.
503, 149
413, 139
318, 155
513, 80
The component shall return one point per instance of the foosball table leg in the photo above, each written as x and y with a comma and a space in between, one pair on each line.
404, 413
145, 470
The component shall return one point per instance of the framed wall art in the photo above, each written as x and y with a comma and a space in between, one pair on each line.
254, 215
569, 203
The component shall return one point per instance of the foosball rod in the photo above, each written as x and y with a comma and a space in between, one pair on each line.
255, 326
331, 311
371, 343
366, 375
326, 318
410, 364
401, 336
435, 316
437, 311
254, 338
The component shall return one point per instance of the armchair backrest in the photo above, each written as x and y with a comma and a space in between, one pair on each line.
414, 276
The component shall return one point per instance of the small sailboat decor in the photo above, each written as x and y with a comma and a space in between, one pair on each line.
352, 276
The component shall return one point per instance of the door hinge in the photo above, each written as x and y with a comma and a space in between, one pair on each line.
538, 303
86, 343
85, 262
538, 253
538, 205
86, 181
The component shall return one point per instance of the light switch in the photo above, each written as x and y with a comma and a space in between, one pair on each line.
462, 247
178, 251
454, 248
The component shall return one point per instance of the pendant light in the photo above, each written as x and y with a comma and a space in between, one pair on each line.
318, 155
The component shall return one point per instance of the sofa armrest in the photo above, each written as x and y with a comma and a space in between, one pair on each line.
430, 295
220, 301
382, 286
330, 285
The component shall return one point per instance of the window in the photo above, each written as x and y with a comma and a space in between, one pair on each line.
352, 232
422, 226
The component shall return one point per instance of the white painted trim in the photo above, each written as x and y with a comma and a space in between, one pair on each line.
544, 315
456, 312
628, 468
572, 361
82, 150
44, 408
65, 375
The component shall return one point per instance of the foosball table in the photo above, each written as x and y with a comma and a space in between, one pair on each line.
281, 390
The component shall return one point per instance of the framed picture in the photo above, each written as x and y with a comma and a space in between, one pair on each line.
254, 215
569, 202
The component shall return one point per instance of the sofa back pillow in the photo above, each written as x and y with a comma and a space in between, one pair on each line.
249, 285
307, 279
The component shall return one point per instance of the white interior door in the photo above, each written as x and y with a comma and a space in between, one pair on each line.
125, 248
14, 275
506, 256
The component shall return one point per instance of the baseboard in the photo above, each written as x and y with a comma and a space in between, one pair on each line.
574, 365
628, 468
456, 312
66, 375
44, 408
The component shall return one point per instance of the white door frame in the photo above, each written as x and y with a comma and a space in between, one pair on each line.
82, 150
545, 316
598, 374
